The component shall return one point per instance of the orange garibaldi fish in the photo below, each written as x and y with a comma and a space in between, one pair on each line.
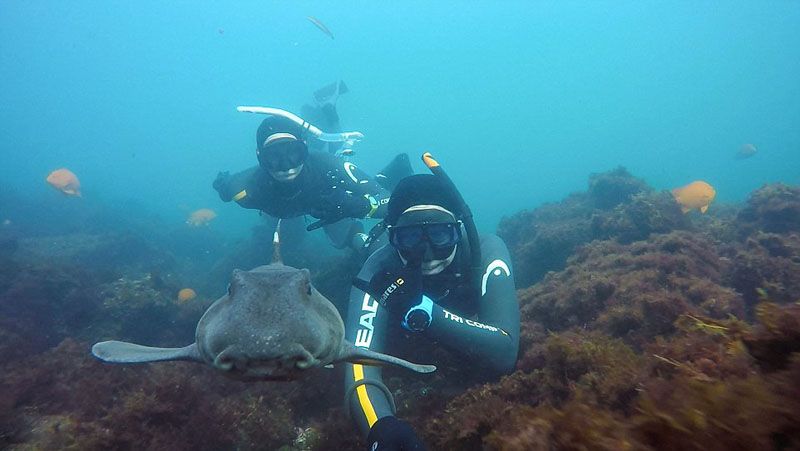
65, 181
698, 194
186, 295
201, 217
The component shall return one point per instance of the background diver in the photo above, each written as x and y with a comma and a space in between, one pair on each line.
429, 285
301, 172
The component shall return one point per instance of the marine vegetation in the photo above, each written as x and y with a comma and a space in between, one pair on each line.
648, 345
617, 205
643, 328
772, 208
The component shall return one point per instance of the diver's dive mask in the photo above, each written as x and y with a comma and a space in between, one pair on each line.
439, 235
431, 245
282, 152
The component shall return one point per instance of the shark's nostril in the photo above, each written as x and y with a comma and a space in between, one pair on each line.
304, 360
224, 362
302, 364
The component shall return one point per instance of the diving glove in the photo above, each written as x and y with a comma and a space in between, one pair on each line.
398, 290
392, 434
339, 204
222, 186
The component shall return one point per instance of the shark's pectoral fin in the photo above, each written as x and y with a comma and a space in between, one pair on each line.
364, 356
123, 352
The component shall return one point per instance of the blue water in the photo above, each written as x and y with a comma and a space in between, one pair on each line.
521, 101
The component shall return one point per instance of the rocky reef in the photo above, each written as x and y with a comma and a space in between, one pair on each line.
642, 328
676, 340
617, 206
83, 404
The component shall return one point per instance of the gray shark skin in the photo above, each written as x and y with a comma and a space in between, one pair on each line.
272, 325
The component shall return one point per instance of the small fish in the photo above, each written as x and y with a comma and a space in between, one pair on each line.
65, 181
221, 30
347, 152
186, 295
698, 194
201, 217
746, 151
320, 25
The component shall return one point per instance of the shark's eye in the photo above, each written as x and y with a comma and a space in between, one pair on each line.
308, 289
229, 289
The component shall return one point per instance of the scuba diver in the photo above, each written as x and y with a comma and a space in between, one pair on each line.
433, 285
291, 181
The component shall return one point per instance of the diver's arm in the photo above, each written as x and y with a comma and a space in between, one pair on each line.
234, 187
346, 192
365, 186
494, 339
366, 326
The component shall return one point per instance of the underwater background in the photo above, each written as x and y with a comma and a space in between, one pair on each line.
564, 124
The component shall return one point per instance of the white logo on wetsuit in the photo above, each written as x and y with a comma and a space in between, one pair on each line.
496, 268
348, 168
368, 311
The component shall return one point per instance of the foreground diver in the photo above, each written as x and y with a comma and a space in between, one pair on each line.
431, 282
291, 181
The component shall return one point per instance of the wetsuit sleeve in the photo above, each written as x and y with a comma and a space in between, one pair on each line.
363, 185
235, 187
493, 340
367, 399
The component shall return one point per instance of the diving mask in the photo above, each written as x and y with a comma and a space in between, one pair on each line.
440, 235
283, 154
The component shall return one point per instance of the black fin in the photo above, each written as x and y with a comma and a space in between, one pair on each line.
330, 93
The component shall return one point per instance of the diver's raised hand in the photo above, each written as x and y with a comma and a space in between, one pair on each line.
392, 434
222, 186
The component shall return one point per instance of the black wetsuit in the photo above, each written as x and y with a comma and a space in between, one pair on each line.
479, 321
308, 194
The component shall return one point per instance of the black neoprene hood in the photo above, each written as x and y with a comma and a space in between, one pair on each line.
277, 124
419, 189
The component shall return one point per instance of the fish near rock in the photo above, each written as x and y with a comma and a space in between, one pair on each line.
201, 217
272, 325
65, 181
696, 195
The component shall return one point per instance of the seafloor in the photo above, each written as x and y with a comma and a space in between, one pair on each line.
642, 328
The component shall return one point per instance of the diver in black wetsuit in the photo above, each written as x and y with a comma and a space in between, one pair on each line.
291, 181
428, 282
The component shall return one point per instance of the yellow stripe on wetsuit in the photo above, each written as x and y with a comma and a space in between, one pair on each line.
241, 195
363, 399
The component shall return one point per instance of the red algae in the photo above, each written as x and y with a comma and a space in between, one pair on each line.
686, 354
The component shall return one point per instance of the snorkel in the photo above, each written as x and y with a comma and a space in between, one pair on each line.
465, 215
348, 138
